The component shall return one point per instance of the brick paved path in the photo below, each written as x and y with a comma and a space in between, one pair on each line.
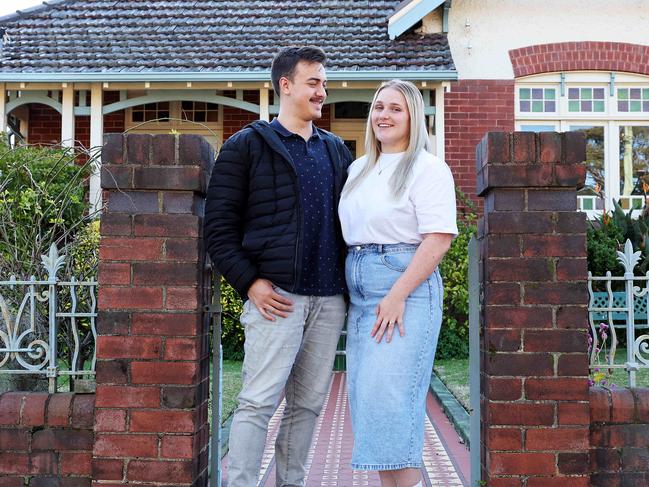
446, 460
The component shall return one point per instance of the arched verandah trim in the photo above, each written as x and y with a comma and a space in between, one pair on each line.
176, 95
34, 98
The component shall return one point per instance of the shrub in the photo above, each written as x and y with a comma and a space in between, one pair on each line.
41, 203
232, 336
603, 239
608, 234
82, 263
454, 336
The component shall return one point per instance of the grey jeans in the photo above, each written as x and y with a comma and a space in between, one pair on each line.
295, 354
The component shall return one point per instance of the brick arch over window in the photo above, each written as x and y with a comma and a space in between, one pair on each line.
580, 56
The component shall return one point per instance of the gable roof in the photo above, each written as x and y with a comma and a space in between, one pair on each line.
408, 13
199, 36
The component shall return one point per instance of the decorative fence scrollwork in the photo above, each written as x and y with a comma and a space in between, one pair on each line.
622, 305
38, 316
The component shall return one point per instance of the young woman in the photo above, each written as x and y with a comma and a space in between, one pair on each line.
398, 217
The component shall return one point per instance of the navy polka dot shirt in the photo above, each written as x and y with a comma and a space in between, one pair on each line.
320, 273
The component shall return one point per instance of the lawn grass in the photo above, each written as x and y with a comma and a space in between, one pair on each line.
230, 388
454, 373
619, 377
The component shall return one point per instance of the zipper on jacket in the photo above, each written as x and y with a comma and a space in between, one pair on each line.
296, 268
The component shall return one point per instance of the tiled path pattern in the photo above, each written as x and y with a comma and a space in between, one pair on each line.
445, 459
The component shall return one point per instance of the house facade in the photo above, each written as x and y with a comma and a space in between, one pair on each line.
73, 70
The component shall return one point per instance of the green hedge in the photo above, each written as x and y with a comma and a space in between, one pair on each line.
608, 234
231, 330
42, 201
454, 337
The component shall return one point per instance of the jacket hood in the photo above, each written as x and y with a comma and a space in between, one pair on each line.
263, 128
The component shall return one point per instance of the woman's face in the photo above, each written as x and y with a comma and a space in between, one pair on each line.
391, 120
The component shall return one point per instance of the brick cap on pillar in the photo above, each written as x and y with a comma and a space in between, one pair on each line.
180, 162
530, 160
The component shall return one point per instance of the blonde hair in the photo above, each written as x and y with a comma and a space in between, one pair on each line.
418, 139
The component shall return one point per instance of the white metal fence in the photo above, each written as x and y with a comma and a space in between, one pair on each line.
617, 310
41, 321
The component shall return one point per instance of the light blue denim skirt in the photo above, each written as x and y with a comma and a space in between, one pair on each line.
388, 382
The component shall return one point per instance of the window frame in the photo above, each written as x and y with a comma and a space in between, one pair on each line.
610, 119
175, 112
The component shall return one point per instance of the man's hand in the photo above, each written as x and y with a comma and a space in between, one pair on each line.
268, 302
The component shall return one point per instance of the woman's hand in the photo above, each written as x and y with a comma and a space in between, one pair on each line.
390, 310
389, 313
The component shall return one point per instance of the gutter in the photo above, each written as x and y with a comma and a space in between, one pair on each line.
197, 76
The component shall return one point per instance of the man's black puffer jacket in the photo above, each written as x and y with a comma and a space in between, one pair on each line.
253, 226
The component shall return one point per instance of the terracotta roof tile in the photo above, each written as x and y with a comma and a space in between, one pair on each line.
210, 35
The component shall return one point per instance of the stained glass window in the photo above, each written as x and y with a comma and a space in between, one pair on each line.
633, 100
151, 111
537, 100
199, 111
586, 100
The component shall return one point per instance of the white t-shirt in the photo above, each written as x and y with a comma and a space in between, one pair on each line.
370, 214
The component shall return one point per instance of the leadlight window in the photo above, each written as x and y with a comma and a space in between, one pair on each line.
199, 111
351, 145
351, 110
151, 111
537, 100
633, 100
613, 114
586, 100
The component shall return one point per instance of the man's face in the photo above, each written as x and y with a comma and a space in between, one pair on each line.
306, 92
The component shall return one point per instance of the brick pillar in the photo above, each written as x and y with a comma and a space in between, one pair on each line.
534, 364
153, 345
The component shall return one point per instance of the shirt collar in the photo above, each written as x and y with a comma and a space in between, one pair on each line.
283, 131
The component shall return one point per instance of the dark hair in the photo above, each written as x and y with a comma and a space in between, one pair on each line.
285, 61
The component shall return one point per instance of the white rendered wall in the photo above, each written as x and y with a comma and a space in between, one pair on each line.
496, 26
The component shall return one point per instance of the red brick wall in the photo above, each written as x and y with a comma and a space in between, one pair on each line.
234, 119
82, 131
325, 121
114, 123
46, 439
474, 107
45, 123
586, 55
619, 437
153, 342
533, 340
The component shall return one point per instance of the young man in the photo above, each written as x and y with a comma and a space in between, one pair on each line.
271, 227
